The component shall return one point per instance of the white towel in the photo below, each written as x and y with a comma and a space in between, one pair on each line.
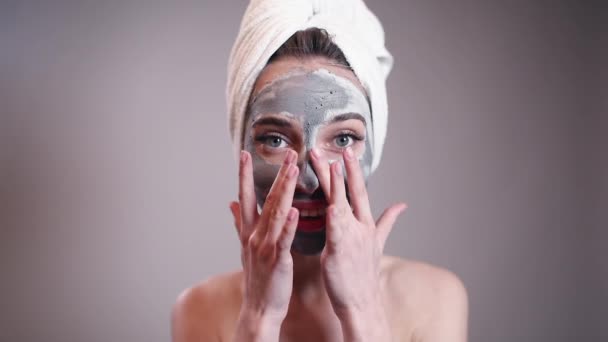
267, 24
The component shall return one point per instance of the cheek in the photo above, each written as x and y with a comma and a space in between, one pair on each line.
271, 156
264, 174
264, 171
366, 160
362, 152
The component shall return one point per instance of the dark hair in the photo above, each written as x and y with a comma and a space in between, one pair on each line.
310, 43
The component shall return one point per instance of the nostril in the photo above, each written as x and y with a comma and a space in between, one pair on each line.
307, 180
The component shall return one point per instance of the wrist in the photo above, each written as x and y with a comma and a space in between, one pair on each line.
256, 325
365, 324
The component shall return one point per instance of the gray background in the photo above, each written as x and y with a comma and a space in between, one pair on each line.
116, 167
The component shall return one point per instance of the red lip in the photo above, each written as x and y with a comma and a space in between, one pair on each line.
310, 204
306, 224
310, 224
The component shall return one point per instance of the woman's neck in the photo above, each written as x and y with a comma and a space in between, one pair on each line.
307, 278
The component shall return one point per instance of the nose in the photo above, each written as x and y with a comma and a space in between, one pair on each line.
308, 182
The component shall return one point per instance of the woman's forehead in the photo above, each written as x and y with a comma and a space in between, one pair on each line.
314, 97
311, 90
286, 66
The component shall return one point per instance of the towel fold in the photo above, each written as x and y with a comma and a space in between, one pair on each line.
267, 24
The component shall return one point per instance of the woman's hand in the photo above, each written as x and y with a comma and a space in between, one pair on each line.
266, 242
354, 245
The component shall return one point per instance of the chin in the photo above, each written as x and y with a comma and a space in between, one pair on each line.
309, 243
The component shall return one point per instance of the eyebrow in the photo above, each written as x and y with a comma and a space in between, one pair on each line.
272, 120
280, 122
348, 116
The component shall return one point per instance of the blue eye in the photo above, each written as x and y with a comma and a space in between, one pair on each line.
273, 141
343, 140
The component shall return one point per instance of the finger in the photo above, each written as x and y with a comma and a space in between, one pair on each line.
337, 210
235, 209
387, 220
337, 190
247, 200
334, 227
279, 199
286, 237
321, 166
356, 187
282, 209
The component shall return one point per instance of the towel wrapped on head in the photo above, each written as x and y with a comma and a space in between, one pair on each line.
267, 24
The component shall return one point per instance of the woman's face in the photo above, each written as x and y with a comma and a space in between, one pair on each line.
301, 105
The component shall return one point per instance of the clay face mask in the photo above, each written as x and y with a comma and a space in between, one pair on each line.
299, 111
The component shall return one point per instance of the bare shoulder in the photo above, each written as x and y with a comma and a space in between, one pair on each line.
434, 298
206, 310
426, 280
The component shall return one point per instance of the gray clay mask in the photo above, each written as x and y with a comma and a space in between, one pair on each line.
301, 105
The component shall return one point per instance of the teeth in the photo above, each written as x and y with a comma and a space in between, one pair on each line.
312, 212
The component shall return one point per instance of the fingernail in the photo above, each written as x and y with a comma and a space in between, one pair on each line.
348, 153
338, 169
289, 157
292, 171
243, 156
314, 153
292, 214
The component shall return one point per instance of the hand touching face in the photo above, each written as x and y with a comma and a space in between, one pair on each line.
301, 108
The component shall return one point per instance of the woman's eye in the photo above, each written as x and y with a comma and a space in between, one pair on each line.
343, 140
274, 141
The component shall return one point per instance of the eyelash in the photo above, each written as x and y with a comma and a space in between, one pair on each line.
351, 134
263, 138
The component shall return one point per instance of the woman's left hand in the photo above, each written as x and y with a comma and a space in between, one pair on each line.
354, 242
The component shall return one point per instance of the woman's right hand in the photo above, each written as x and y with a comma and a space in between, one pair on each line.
266, 239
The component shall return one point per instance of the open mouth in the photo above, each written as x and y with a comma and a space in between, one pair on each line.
312, 215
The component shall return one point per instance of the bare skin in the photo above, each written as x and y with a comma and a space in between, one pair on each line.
348, 292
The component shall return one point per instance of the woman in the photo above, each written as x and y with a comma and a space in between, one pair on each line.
307, 108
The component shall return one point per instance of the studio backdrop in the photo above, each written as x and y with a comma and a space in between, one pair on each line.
116, 168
